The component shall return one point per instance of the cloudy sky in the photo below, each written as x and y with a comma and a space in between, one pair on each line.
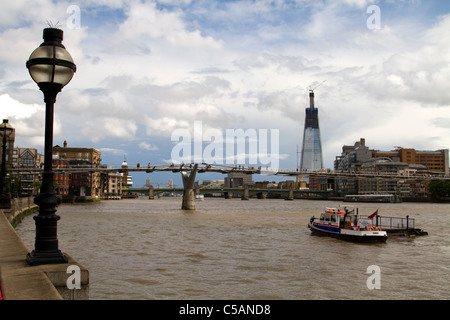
148, 68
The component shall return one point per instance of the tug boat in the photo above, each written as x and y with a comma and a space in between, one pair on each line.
344, 223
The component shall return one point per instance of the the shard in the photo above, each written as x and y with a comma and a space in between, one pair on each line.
311, 154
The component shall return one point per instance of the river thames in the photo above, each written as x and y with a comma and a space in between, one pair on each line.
255, 249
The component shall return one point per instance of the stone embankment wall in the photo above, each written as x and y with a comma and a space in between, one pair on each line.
20, 207
20, 281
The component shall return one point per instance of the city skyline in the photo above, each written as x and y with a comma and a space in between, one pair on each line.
145, 69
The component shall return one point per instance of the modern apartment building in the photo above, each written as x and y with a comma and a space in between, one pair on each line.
352, 157
435, 161
350, 160
111, 184
402, 161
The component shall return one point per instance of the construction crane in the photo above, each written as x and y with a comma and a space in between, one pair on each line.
312, 90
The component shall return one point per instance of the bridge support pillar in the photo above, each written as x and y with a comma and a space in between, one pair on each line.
246, 193
188, 199
228, 195
151, 195
189, 193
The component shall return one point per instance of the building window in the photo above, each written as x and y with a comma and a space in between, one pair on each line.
27, 159
26, 177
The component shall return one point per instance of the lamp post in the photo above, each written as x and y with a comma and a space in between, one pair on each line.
5, 197
51, 67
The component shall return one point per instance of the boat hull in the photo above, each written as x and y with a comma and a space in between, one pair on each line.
348, 235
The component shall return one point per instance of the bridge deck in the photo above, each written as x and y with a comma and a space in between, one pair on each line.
225, 169
230, 190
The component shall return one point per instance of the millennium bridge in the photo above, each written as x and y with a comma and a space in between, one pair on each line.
189, 171
245, 192
225, 169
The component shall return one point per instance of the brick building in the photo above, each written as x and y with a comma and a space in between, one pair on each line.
62, 180
82, 184
435, 161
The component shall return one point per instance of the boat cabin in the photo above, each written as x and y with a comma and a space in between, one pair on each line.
342, 217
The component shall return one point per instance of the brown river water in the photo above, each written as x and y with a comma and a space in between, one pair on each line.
255, 249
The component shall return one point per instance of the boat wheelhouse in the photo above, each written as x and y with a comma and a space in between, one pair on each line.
345, 223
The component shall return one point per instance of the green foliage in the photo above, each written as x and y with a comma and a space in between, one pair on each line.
14, 185
439, 189
22, 215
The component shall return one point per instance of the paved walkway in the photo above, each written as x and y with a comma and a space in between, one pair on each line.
20, 281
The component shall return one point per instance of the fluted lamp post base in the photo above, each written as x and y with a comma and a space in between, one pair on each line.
35, 258
46, 242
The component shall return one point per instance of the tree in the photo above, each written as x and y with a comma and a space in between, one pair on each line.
15, 186
439, 189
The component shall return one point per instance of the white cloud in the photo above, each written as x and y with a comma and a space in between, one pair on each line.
160, 66
14, 109
418, 73
28, 120
114, 151
147, 146
164, 127
145, 21
359, 3
97, 129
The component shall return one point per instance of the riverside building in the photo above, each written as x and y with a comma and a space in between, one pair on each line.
435, 161
27, 158
402, 161
82, 184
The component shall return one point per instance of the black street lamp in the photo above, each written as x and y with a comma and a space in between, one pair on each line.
5, 197
51, 67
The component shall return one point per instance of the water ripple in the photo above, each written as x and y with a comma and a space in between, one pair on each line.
257, 249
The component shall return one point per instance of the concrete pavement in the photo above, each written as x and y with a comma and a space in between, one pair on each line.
19, 281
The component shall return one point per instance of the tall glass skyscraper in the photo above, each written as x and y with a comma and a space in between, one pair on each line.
311, 155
